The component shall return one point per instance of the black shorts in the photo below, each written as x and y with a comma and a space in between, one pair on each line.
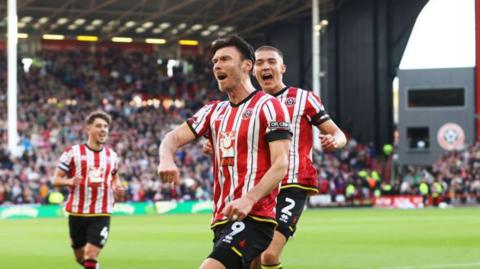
290, 205
237, 244
93, 230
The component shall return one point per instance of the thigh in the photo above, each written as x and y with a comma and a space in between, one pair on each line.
77, 227
98, 230
290, 205
237, 243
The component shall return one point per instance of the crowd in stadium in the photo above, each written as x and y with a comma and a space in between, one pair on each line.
146, 101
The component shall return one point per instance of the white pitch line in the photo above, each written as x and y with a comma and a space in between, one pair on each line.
454, 265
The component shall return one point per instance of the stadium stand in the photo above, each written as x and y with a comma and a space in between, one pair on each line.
60, 88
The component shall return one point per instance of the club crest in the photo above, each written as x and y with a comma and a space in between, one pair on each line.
247, 114
290, 101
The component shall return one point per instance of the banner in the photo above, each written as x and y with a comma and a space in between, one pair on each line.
399, 201
120, 209
30, 211
339, 200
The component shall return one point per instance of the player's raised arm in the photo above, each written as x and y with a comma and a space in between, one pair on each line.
331, 137
173, 140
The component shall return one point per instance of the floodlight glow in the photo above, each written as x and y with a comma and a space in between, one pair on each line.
122, 39
53, 37
185, 42
87, 38
155, 41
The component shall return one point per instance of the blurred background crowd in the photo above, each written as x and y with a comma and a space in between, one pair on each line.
146, 98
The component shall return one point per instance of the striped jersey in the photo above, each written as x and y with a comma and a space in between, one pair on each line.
240, 134
94, 195
306, 111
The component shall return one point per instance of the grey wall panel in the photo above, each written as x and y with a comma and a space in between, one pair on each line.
434, 117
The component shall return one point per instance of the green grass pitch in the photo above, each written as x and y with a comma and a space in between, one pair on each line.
330, 239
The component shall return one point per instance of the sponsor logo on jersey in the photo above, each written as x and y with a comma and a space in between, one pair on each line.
279, 125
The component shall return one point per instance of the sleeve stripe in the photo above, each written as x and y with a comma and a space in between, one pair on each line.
323, 119
269, 110
204, 114
199, 122
66, 170
320, 118
192, 129
317, 105
66, 166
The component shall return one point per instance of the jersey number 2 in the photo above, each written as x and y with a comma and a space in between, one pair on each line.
291, 204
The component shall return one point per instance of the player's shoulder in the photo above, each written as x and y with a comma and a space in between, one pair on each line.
110, 151
71, 148
268, 99
298, 89
221, 103
293, 92
310, 94
214, 104
295, 89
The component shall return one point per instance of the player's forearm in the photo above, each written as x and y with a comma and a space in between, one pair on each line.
61, 182
168, 147
116, 182
174, 140
340, 139
270, 180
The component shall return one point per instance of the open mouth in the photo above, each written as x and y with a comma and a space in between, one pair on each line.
267, 77
221, 76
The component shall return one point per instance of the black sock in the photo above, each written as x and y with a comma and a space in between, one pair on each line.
90, 264
272, 266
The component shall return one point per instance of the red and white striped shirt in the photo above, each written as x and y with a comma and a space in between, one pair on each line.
240, 134
305, 110
94, 195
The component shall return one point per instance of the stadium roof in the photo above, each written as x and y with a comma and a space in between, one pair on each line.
168, 19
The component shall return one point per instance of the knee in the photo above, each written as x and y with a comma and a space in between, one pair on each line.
270, 257
210, 263
91, 254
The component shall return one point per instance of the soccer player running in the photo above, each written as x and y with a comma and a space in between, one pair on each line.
306, 111
250, 134
90, 172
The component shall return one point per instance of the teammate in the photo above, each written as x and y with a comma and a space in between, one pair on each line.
90, 171
305, 111
250, 134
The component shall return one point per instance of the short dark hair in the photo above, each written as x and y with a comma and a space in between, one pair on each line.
245, 49
98, 114
270, 48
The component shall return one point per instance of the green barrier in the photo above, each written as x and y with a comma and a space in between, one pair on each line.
172, 207
123, 209
120, 209
30, 211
